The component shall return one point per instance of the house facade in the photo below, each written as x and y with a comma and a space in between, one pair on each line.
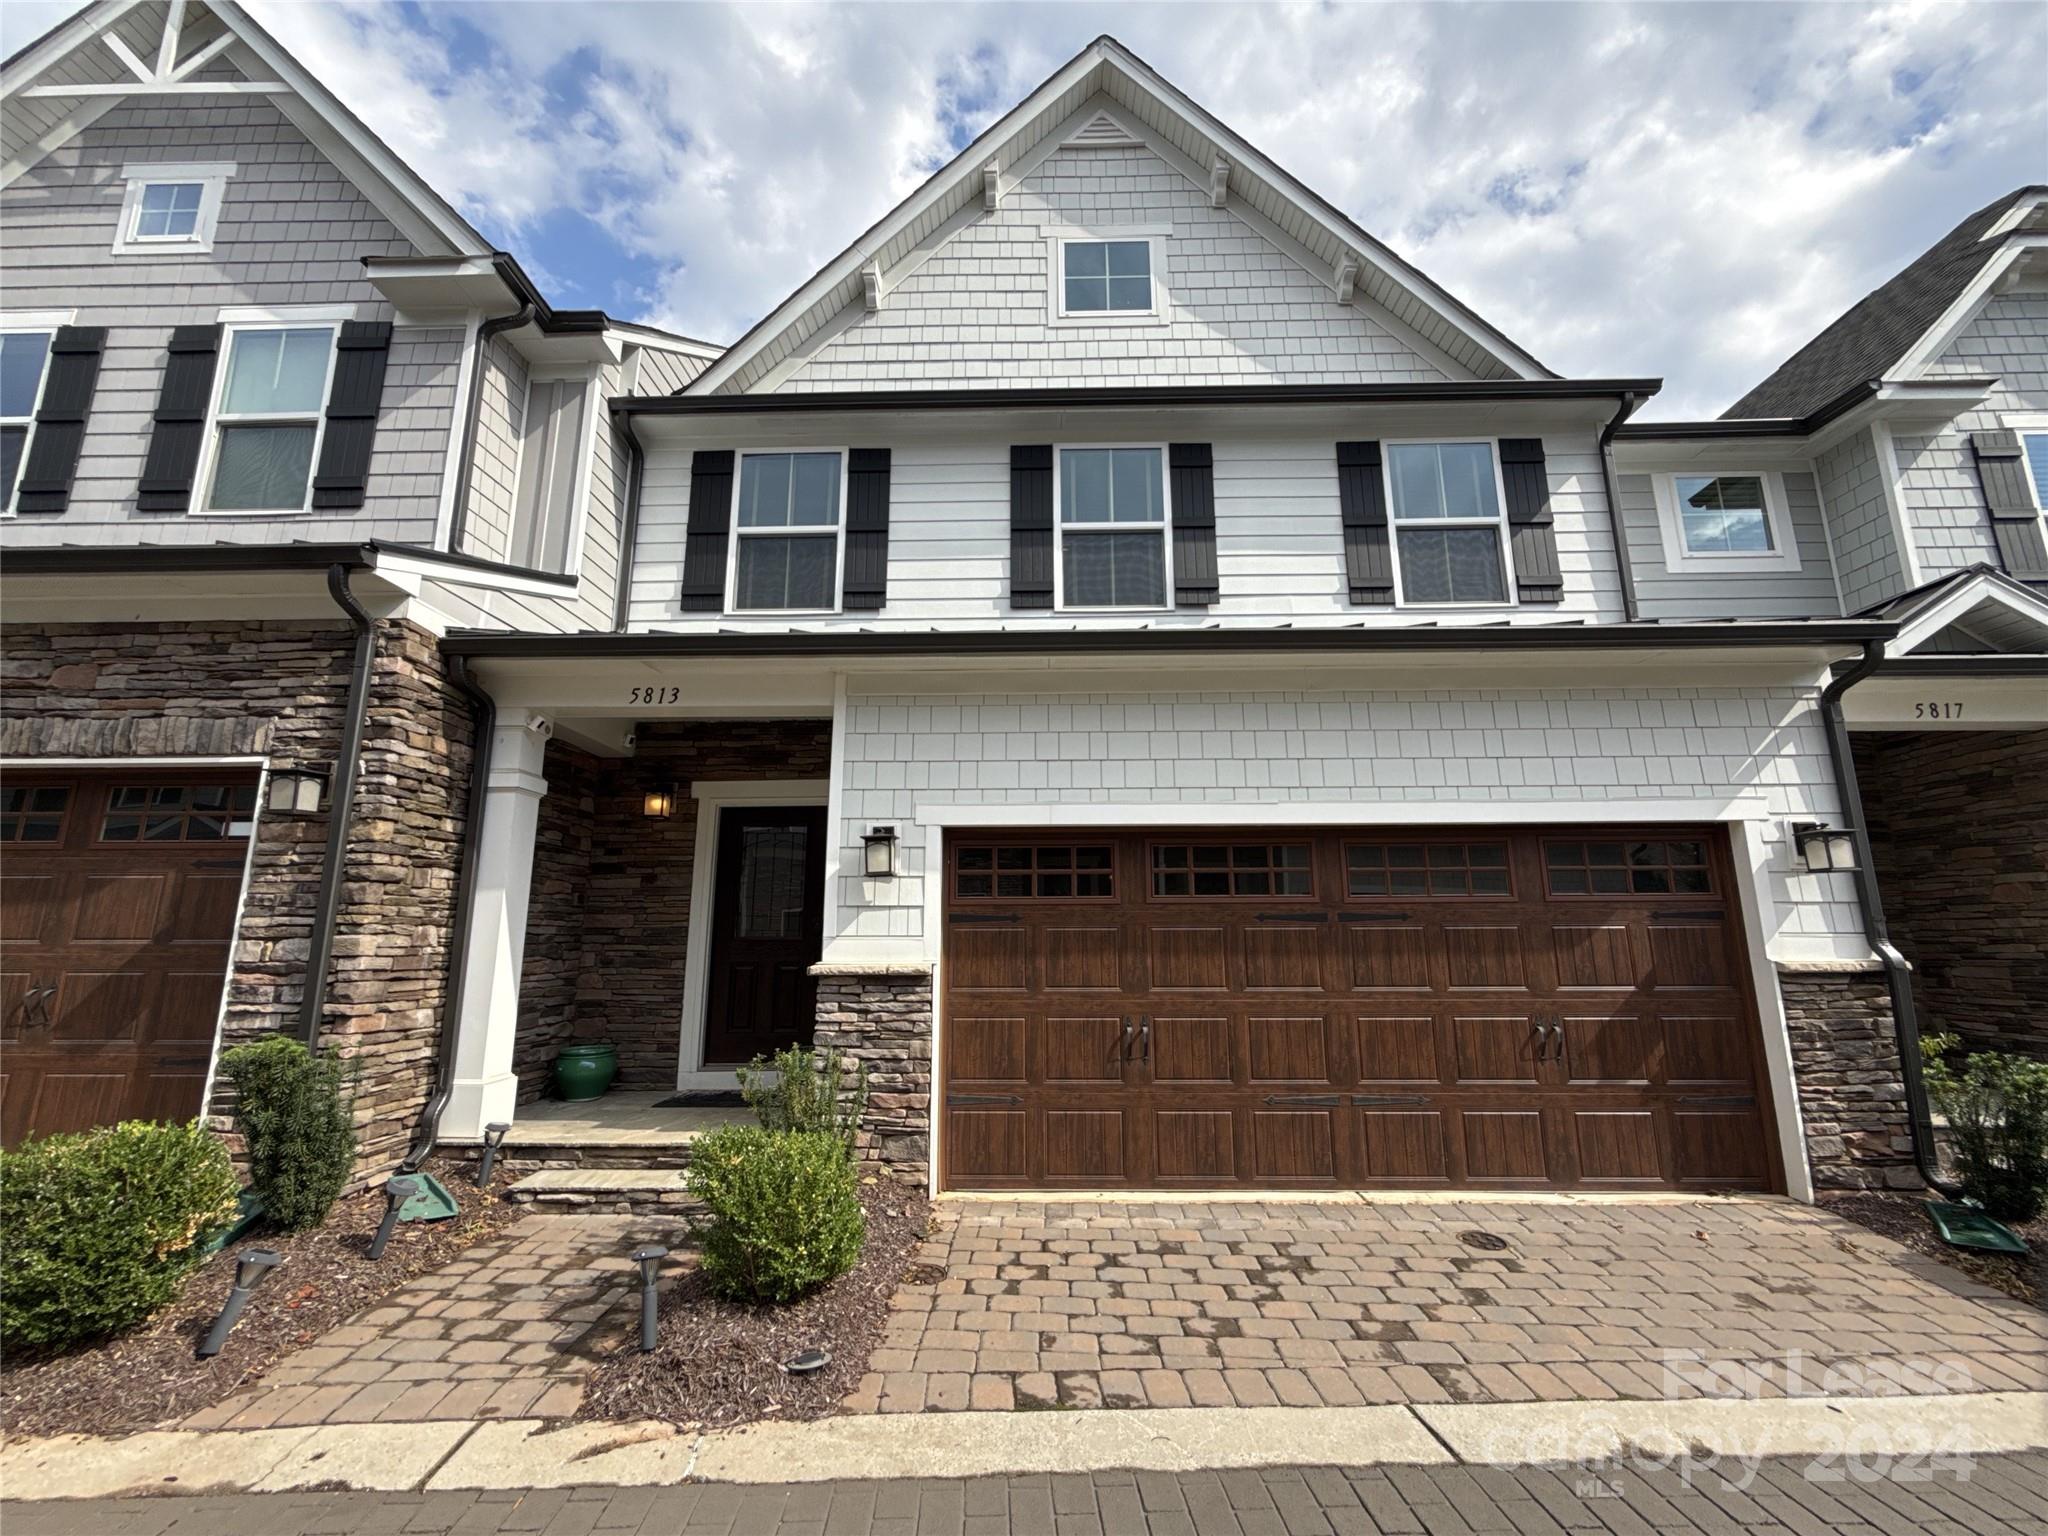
1123, 653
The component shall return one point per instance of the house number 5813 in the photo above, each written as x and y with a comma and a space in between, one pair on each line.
1938, 709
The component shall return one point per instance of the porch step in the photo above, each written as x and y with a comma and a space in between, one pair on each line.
583, 1191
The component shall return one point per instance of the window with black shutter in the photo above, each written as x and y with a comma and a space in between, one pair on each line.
706, 539
1362, 504
2014, 473
179, 433
361, 351
1031, 533
866, 583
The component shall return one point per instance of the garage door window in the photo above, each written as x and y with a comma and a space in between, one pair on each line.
178, 813
34, 814
1427, 869
1067, 872
1231, 869
1674, 868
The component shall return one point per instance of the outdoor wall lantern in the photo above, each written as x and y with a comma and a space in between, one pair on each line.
879, 844
659, 803
296, 791
1824, 849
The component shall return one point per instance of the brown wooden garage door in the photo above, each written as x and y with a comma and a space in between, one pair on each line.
118, 896
1348, 1009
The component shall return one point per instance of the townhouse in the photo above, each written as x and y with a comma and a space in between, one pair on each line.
1120, 650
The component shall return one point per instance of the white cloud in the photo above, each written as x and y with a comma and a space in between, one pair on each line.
1682, 190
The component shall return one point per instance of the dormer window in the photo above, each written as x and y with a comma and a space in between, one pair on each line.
1106, 277
170, 209
1731, 521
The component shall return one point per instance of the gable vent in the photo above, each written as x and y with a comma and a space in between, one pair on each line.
1100, 132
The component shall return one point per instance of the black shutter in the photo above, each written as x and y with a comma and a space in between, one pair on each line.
1530, 534
1194, 523
704, 546
45, 484
2015, 523
1362, 500
1030, 525
361, 351
867, 528
173, 459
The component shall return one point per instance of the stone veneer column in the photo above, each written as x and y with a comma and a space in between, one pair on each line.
881, 1014
486, 1088
1845, 1059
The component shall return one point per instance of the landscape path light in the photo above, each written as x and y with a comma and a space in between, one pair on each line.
649, 1259
396, 1193
251, 1265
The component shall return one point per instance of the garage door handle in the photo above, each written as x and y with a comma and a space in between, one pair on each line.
955, 1099
1715, 913
1372, 917
35, 1006
1145, 1037
1326, 1100
1293, 917
1364, 1100
982, 917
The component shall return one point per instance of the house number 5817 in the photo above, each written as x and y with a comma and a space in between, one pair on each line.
1938, 709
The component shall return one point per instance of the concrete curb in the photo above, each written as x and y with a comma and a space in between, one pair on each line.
532, 1453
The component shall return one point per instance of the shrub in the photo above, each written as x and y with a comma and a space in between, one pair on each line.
103, 1226
1997, 1111
295, 1111
798, 1090
783, 1216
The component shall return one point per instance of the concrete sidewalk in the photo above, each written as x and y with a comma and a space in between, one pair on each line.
442, 1456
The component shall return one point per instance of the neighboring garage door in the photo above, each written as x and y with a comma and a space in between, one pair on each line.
120, 893
1296, 1009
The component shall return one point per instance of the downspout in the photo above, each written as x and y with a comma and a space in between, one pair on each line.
472, 412
341, 804
483, 714
636, 464
1629, 609
1898, 974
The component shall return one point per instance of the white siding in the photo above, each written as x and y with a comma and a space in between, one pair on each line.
977, 313
1497, 747
1663, 593
1279, 538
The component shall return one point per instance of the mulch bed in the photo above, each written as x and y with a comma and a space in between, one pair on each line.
149, 1377
2024, 1277
720, 1362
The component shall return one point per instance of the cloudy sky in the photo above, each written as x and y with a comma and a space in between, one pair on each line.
1679, 190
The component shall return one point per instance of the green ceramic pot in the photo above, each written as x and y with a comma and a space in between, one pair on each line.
585, 1071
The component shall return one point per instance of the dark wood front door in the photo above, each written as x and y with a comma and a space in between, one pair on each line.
1349, 1009
118, 896
767, 931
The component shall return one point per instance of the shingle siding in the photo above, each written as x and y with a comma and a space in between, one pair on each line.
1279, 538
978, 311
1703, 594
1499, 747
292, 230
1851, 479
494, 464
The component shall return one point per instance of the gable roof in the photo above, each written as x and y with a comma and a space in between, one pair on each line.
1978, 608
1870, 339
954, 195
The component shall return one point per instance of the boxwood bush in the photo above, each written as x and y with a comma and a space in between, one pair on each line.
101, 1228
782, 1212
296, 1113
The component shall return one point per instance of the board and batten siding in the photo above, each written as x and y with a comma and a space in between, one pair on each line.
1851, 477
1702, 593
1938, 482
1279, 537
978, 311
1502, 748
292, 230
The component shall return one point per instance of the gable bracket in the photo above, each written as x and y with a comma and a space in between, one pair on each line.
1219, 183
992, 185
170, 75
1346, 277
871, 287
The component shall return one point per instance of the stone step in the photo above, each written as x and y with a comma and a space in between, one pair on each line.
584, 1191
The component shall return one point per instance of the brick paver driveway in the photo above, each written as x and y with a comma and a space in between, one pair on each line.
1130, 1304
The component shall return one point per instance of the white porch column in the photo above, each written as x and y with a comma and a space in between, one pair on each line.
485, 1088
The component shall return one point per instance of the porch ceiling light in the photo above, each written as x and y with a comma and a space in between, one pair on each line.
1824, 849
879, 852
296, 791
659, 803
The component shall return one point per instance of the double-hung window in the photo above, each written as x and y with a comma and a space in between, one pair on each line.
1450, 539
551, 456
1112, 277
2035, 445
1113, 517
268, 417
24, 360
789, 512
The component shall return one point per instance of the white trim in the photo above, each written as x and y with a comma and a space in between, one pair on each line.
1749, 855
1500, 521
835, 812
1938, 337
1962, 599
211, 178
805, 530
209, 446
1158, 311
435, 567
1164, 528
587, 375
2026, 424
1890, 478
714, 797
12, 325
451, 458
1783, 555
285, 314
